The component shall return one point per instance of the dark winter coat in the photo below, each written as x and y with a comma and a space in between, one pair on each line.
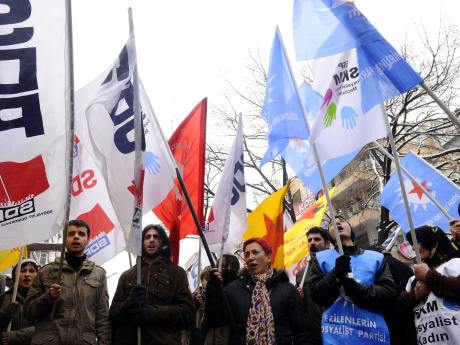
400, 319
325, 286
21, 329
313, 311
81, 312
291, 326
167, 287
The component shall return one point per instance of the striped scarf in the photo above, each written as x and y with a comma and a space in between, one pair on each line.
260, 328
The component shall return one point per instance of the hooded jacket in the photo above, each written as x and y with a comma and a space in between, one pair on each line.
81, 312
291, 326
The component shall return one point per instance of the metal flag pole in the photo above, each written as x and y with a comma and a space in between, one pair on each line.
70, 130
17, 272
198, 280
451, 115
413, 179
138, 129
313, 146
401, 183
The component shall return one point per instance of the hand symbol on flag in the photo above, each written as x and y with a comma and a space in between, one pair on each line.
330, 114
151, 162
349, 116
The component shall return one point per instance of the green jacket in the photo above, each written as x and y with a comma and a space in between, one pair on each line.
21, 329
167, 287
81, 312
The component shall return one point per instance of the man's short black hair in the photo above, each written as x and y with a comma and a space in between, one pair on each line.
80, 224
321, 231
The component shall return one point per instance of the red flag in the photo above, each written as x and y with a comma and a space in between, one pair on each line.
22, 180
188, 147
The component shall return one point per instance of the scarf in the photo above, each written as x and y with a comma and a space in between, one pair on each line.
260, 328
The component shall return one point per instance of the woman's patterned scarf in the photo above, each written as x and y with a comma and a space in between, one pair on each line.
260, 328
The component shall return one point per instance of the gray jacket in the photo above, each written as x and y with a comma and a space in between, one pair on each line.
82, 310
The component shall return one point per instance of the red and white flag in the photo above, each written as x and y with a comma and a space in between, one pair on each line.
33, 186
105, 130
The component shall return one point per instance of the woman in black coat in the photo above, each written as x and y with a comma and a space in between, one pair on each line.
266, 309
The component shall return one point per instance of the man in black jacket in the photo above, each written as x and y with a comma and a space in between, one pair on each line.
318, 240
162, 305
364, 278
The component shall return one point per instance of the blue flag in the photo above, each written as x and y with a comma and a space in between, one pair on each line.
281, 108
423, 211
326, 27
296, 155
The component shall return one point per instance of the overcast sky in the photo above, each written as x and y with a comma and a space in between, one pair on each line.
187, 49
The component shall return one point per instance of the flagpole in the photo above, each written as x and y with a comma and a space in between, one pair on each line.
451, 115
413, 179
401, 183
198, 280
16, 283
313, 146
70, 129
304, 275
138, 130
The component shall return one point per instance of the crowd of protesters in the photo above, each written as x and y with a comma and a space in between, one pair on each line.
360, 297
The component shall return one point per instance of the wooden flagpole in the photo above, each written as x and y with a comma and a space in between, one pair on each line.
17, 272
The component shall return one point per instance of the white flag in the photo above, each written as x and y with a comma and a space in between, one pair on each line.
105, 127
341, 126
227, 219
32, 125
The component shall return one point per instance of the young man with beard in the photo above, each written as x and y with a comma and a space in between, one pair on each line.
353, 288
162, 305
75, 309
318, 240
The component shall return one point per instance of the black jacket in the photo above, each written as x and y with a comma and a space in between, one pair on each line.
167, 287
21, 328
325, 286
291, 326
313, 311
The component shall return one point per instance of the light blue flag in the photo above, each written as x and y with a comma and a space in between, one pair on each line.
288, 132
325, 27
296, 155
423, 211
281, 107
297, 151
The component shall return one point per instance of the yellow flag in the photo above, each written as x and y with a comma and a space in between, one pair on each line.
266, 221
295, 241
10, 257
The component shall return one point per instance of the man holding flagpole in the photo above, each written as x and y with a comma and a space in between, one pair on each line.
74, 310
353, 288
161, 305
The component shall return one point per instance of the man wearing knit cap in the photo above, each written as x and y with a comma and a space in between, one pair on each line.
75, 309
